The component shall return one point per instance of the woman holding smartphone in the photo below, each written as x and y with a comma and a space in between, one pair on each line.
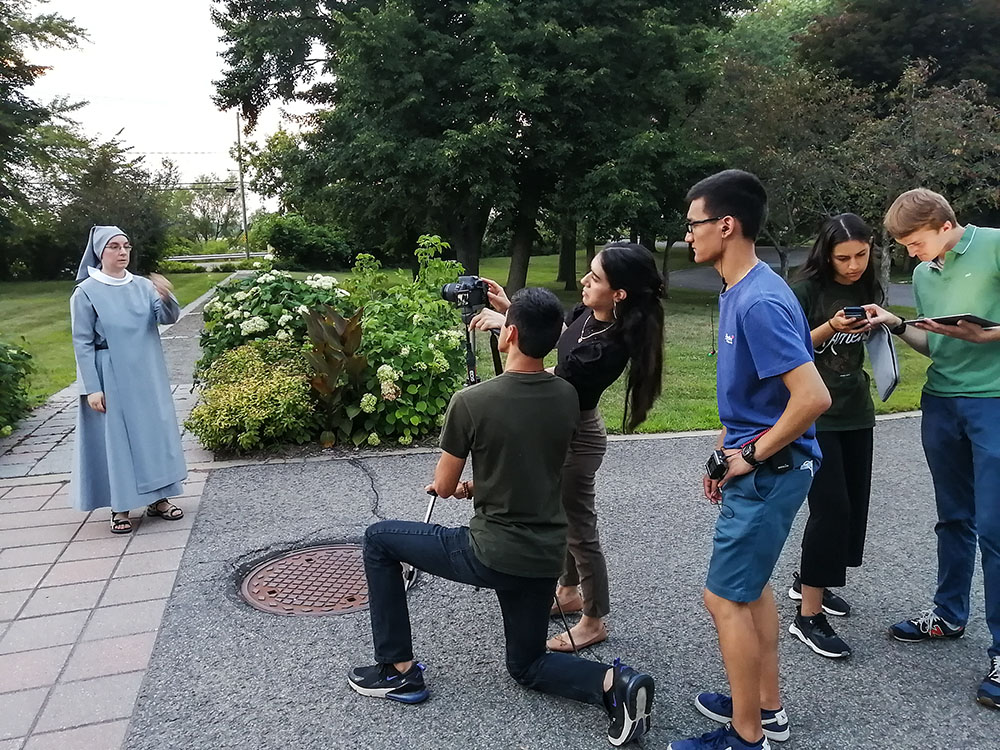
836, 280
619, 323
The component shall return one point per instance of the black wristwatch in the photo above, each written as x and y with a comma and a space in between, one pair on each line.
900, 329
749, 454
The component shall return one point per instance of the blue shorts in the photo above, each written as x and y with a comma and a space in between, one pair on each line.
754, 520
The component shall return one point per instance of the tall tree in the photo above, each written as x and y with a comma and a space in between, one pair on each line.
873, 41
439, 112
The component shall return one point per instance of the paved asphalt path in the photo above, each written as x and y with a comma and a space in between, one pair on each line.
226, 676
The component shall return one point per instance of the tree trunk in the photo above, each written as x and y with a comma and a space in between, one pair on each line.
567, 253
885, 262
647, 240
633, 236
591, 243
782, 255
665, 268
523, 238
466, 232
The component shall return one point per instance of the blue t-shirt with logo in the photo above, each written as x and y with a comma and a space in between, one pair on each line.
763, 334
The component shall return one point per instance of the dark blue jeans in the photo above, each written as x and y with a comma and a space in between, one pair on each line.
961, 438
524, 602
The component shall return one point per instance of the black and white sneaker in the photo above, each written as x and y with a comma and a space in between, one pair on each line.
385, 681
832, 603
817, 634
628, 702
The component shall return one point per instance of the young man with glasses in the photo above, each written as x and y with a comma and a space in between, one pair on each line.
517, 428
769, 396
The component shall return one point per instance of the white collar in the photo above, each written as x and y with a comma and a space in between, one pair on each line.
97, 273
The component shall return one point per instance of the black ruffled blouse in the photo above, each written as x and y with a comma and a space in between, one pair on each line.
593, 363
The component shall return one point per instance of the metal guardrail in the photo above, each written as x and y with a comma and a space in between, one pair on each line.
218, 257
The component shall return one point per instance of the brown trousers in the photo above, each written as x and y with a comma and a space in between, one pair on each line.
585, 564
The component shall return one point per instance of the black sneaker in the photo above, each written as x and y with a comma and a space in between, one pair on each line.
817, 634
832, 604
628, 702
385, 681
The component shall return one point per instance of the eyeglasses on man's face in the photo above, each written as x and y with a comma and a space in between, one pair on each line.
692, 224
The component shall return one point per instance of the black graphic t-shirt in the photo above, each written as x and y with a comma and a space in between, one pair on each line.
840, 360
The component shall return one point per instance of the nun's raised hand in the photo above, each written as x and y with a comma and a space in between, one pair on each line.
162, 286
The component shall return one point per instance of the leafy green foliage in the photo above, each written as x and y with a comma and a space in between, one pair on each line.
874, 41
268, 304
254, 396
302, 245
15, 366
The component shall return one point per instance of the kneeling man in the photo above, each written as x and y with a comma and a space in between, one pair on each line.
517, 428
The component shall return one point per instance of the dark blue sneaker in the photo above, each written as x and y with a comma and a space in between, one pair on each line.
719, 707
628, 702
928, 626
724, 738
385, 681
832, 603
989, 689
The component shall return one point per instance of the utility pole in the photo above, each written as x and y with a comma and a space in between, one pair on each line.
243, 192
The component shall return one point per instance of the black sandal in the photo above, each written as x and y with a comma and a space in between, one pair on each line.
168, 512
121, 523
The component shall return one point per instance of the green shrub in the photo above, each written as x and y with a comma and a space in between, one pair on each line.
226, 267
304, 245
414, 344
268, 304
174, 266
255, 396
15, 366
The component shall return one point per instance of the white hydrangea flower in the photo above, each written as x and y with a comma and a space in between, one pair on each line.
302, 309
255, 324
256, 265
405, 440
373, 439
282, 335
285, 319
240, 296
386, 374
368, 403
390, 391
405, 351
268, 256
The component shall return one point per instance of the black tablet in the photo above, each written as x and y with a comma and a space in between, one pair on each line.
951, 320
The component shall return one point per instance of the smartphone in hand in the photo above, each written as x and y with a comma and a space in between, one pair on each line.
857, 313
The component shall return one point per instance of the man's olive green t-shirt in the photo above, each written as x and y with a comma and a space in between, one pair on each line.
518, 428
968, 282
841, 359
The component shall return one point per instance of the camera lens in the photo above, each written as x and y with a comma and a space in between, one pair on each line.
449, 292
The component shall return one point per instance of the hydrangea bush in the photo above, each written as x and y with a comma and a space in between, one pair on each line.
268, 304
411, 340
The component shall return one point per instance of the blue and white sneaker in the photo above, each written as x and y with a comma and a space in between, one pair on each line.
989, 689
629, 702
724, 738
385, 681
929, 626
719, 707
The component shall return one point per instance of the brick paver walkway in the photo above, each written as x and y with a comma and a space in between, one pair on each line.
79, 607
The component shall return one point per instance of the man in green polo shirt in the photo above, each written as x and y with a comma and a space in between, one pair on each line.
960, 273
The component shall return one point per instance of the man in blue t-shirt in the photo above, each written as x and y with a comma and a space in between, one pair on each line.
769, 394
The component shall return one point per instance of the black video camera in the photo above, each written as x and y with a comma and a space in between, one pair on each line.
469, 292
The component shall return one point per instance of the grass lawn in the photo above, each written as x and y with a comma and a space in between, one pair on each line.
35, 315
39, 312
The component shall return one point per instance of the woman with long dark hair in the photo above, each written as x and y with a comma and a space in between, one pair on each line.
838, 274
618, 324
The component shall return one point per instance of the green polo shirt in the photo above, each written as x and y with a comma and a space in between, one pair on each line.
969, 282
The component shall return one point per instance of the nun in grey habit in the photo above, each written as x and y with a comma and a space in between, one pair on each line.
128, 449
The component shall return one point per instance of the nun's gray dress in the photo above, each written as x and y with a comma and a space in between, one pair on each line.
131, 455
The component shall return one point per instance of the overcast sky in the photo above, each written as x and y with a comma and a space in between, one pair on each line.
148, 67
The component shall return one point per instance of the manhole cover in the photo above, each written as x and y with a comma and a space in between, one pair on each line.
328, 580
